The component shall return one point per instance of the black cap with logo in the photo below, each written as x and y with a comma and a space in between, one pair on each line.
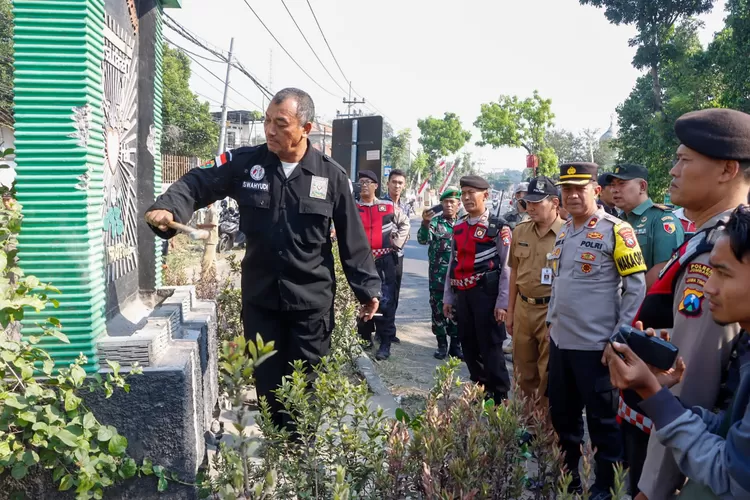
578, 173
628, 172
540, 188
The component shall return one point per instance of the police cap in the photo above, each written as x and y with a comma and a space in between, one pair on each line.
368, 174
474, 181
717, 133
628, 172
540, 188
604, 180
577, 173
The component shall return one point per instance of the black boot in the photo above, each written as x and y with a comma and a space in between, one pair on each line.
384, 352
456, 350
442, 350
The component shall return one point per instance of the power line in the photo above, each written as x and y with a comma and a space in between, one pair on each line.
286, 51
197, 40
193, 53
311, 47
326, 41
222, 81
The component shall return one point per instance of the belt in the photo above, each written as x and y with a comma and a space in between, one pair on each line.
467, 282
533, 301
381, 252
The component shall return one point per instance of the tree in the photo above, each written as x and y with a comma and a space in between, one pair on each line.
188, 127
729, 52
442, 137
6, 63
511, 122
467, 167
655, 21
396, 150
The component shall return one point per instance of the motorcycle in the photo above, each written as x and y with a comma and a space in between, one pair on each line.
230, 236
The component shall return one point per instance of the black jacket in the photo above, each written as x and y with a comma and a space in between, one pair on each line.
288, 263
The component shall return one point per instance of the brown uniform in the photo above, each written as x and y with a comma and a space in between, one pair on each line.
528, 256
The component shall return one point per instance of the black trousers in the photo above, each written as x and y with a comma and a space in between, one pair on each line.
482, 340
578, 380
304, 335
635, 442
384, 325
399, 275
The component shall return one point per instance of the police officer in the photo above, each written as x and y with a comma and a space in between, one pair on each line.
606, 199
598, 285
288, 193
476, 287
386, 230
710, 179
437, 232
518, 212
531, 286
658, 231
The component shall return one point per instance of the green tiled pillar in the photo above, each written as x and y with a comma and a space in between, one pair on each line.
59, 48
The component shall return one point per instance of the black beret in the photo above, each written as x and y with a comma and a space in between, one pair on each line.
368, 174
578, 173
474, 181
604, 180
723, 134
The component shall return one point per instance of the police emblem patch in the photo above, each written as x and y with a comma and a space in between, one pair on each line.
319, 187
586, 268
628, 237
592, 223
382, 208
691, 303
595, 236
571, 170
588, 256
257, 172
669, 227
208, 164
480, 232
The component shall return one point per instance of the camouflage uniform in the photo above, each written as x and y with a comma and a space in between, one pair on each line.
438, 235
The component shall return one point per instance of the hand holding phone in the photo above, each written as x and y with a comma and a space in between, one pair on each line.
653, 350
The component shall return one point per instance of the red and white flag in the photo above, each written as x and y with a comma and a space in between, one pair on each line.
449, 176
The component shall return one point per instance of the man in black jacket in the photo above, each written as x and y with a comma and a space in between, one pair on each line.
288, 194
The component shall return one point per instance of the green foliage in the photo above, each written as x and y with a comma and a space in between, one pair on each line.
188, 127
441, 136
396, 150
584, 146
728, 53
512, 122
6, 62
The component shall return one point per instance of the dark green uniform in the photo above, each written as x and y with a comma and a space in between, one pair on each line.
438, 236
658, 231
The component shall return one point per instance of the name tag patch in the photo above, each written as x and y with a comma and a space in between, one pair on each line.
256, 186
319, 187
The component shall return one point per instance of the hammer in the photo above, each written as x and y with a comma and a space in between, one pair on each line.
194, 234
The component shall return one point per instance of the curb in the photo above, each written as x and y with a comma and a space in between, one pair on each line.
367, 369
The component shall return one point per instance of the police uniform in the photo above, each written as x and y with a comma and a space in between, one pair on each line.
598, 285
288, 268
529, 262
659, 233
477, 284
438, 235
704, 345
386, 230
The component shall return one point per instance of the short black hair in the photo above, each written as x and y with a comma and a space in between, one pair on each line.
738, 231
305, 105
397, 172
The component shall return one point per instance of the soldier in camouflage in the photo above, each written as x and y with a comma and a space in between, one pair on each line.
437, 232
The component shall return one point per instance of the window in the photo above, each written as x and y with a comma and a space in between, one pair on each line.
231, 140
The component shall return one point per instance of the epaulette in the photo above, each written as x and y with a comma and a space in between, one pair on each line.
611, 218
663, 207
328, 159
524, 222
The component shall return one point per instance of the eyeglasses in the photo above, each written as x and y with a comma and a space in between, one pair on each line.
365, 183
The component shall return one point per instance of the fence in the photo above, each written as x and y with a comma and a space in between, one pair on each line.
174, 167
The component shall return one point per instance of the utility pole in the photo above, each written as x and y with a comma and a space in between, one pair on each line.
208, 265
350, 102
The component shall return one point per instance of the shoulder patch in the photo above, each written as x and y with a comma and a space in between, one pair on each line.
691, 303
700, 269
669, 227
662, 207
627, 254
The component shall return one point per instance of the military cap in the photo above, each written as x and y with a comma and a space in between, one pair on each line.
368, 174
474, 181
723, 134
627, 172
604, 180
450, 192
578, 173
523, 187
540, 188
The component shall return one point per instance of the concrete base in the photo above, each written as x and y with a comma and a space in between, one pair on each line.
169, 409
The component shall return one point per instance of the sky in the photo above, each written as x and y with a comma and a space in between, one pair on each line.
411, 59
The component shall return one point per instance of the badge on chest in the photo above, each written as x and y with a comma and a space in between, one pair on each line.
319, 187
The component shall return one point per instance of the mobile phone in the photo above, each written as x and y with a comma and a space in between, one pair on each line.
620, 339
653, 351
437, 209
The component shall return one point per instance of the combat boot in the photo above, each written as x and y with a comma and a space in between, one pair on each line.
456, 350
384, 352
442, 350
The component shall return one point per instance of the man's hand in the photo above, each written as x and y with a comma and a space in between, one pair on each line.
631, 372
500, 315
427, 216
509, 323
368, 310
448, 311
160, 219
673, 376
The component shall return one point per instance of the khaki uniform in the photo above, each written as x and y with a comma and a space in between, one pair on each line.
528, 256
705, 346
